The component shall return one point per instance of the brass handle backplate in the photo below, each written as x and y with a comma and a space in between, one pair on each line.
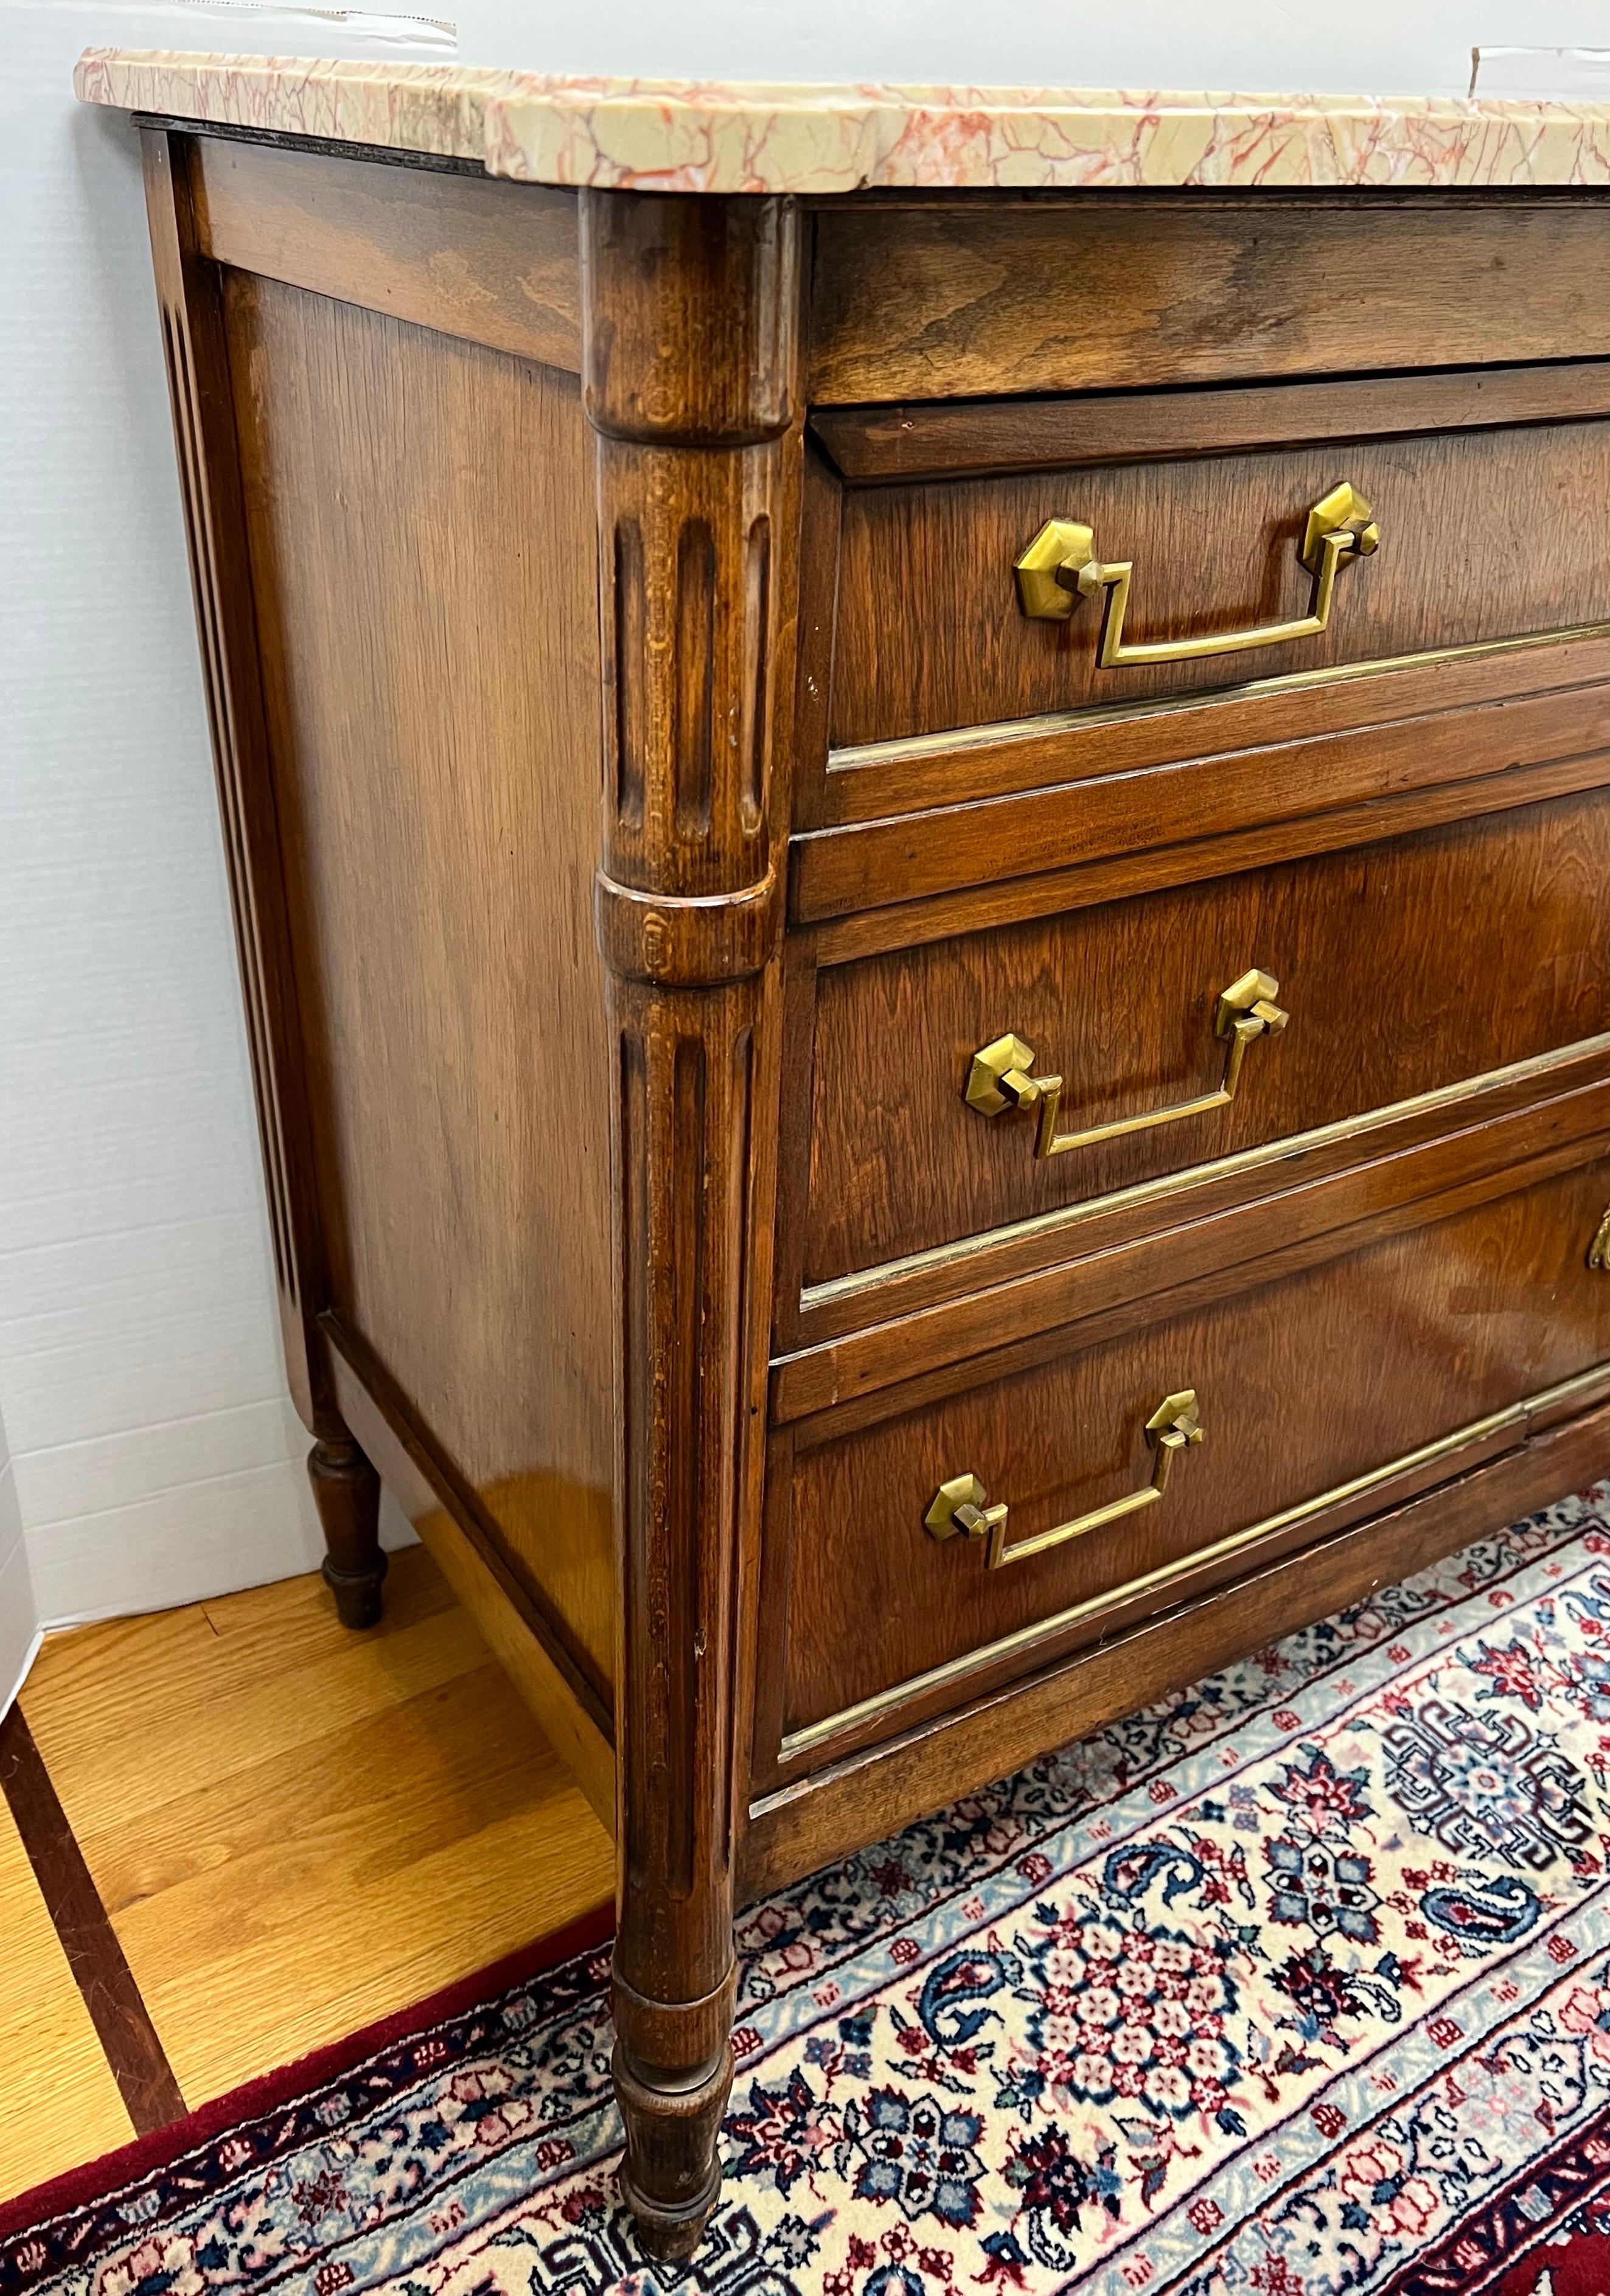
962, 1504
1060, 567
1001, 1075
1599, 1251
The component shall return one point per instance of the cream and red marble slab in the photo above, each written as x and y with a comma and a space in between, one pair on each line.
440, 109
691, 135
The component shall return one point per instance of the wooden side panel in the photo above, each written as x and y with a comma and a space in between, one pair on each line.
195, 346
1376, 952
455, 1528
936, 298
495, 263
931, 634
1302, 1384
422, 543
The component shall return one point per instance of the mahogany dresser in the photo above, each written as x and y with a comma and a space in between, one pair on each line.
920, 885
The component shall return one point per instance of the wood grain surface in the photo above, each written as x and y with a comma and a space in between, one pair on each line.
693, 389
463, 1540
295, 1830
1303, 1384
1404, 966
60, 2102
870, 446
1095, 1271
963, 299
930, 635
105, 1982
493, 262
196, 351
884, 779
867, 1796
420, 534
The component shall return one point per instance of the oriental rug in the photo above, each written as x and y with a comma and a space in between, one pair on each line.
1297, 1982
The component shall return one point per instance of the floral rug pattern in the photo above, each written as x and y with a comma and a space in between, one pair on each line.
1297, 1982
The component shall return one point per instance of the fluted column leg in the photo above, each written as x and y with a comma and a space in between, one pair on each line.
691, 333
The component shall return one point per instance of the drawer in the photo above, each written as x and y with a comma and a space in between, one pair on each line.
931, 633
948, 297
1115, 1482
1404, 969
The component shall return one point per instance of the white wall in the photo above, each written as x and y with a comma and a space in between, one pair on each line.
154, 1456
19, 1614
1385, 46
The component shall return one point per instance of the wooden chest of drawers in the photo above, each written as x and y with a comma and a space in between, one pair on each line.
1059, 1128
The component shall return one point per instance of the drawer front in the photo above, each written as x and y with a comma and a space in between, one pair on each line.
1403, 969
957, 298
931, 634
1319, 1398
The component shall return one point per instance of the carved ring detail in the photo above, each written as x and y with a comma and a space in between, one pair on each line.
697, 941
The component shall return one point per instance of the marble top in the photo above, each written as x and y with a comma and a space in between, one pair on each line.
684, 135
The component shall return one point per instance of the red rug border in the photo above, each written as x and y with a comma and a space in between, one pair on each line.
96, 2179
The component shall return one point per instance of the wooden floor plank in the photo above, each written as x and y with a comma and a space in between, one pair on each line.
59, 2103
99, 1968
296, 1830
131, 1722
411, 1934
383, 1790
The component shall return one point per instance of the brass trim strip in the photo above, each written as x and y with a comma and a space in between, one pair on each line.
867, 756
1496, 1423
1195, 1176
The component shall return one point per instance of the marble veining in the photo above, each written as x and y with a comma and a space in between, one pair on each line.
684, 135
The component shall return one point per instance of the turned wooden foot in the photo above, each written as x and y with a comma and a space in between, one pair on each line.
671, 2177
346, 1490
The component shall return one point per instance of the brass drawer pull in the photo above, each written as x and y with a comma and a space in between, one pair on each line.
960, 1505
1060, 567
1000, 1078
1599, 1251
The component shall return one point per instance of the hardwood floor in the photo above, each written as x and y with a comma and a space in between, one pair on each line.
59, 2102
293, 1831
